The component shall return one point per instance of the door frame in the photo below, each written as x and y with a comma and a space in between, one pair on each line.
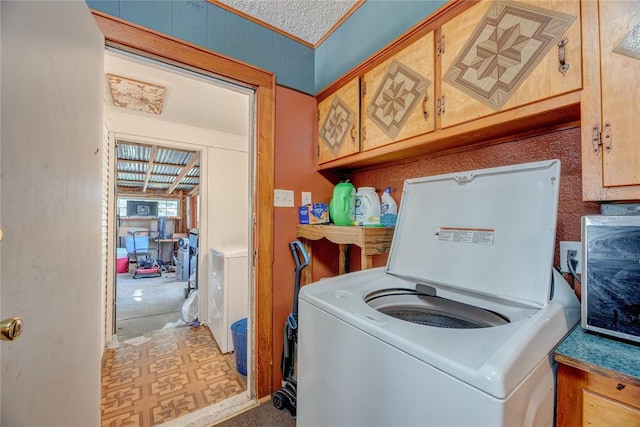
145, 42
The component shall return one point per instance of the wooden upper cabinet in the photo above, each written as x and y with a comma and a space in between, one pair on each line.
398, 96
339, 123
501, 55
472, 73
610, 126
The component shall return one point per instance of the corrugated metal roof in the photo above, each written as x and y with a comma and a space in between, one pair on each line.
167, 167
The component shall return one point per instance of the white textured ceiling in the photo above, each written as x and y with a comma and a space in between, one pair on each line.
308, 20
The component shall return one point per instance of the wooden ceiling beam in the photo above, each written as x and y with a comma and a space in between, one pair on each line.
139, 162
155, 174
152, 159
136, 186
185, 170
135, 193
150, 194
194, 192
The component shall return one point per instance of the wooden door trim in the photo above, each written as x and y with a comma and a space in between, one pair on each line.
146, 42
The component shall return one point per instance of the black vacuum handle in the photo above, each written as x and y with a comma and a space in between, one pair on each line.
296, 249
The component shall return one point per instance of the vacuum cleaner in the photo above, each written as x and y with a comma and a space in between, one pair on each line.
285, 397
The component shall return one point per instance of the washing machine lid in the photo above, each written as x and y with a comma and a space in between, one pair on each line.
489, 231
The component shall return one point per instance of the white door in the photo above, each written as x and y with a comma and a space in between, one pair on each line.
51, 164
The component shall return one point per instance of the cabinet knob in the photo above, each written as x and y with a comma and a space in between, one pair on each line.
620, 386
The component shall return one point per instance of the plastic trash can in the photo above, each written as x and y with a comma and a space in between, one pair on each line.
239, 338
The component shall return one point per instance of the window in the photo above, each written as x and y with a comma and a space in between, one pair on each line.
148, 207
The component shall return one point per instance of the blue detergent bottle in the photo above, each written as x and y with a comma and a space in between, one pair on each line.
388, 209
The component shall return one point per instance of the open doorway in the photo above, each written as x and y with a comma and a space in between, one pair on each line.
175, 183
157, 244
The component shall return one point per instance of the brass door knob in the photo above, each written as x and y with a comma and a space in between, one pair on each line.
10, 329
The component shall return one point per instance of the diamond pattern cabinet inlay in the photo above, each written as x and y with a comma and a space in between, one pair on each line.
501, 55
399, 98
630, 44
339, 124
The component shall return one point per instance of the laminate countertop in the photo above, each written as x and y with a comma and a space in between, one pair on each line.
585, 349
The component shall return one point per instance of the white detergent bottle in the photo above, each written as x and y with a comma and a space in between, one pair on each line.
367, 207
388, 209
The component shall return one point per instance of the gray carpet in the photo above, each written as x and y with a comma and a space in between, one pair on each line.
263, 415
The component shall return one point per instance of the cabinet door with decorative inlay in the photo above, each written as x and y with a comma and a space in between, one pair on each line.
620, 62
610, 99
339, 123
398, 96
499, 55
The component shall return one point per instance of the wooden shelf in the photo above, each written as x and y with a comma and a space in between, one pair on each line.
371, 240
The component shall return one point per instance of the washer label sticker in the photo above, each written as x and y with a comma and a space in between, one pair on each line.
479, 236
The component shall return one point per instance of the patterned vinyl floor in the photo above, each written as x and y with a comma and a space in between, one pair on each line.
175, 372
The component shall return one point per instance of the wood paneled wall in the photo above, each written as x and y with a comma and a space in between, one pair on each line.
295, 169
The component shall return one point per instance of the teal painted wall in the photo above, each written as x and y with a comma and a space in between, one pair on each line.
373, 25
204, 24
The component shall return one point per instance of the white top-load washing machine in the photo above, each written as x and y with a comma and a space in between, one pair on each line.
228, 292
459, 328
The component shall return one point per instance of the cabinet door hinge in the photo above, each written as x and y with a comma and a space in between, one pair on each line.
363, 89
440, 105
608, 139
597, 137
440, 45
363, 136
318, 151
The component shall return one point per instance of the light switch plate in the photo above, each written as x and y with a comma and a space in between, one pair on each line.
283, 198
306, 198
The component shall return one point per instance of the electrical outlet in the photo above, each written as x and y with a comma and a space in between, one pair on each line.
283, 198
566, 249
306, 198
